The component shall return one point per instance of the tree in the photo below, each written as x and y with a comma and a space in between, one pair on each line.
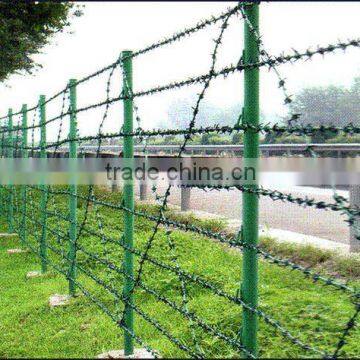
323, 105
237, 138
330, 105
180, 112
26, 27
354, 101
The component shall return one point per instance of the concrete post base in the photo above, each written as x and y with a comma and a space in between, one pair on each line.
33, 274
16, 251
59, 300
119, 354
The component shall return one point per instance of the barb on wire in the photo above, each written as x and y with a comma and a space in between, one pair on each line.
183, 146
267, 57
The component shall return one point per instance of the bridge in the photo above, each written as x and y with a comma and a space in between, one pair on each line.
339, 150
267, 150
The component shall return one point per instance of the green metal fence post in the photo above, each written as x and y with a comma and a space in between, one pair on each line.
249, 289
73, 189
43, 187
3, 140
4, 202
2, 212
128, 202
10, 154
24, 155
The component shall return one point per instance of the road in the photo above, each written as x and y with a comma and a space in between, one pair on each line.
325, 224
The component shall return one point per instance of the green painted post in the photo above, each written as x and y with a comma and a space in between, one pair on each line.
43, 187
73, 189
10, 154
24, 155
249, 289
3, 155
128, 203
3, 140
1, 186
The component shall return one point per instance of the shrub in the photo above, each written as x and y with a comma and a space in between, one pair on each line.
287, 139
215, 139
344, 139
237, 138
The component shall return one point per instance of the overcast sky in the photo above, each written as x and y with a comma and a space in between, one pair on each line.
106, 28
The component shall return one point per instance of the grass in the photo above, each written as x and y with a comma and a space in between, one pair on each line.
29, 328
324, 261
316, 314
327, 262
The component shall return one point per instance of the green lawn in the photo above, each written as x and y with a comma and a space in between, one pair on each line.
314, 313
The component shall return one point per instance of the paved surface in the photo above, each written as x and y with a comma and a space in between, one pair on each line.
325, 224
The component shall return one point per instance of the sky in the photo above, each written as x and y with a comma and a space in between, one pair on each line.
107, 28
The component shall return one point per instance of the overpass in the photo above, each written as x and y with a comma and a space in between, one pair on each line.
338, 150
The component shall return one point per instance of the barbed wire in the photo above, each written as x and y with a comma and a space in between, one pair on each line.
182, 148
297, 130
164, 225
276, 60
265, 55
181, 273
175, 37
53, 97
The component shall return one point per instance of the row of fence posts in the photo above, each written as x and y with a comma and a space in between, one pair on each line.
250, 201
9, 142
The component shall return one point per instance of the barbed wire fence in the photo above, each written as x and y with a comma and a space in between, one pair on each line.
69, 227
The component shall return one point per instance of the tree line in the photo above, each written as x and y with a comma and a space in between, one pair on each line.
318, 105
